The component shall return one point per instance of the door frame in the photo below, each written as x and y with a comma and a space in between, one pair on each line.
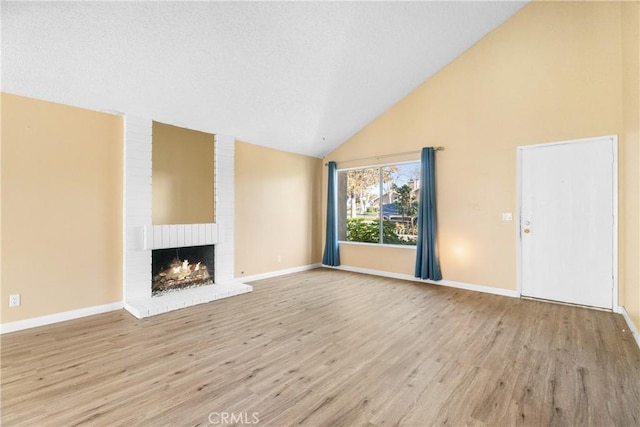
520, 151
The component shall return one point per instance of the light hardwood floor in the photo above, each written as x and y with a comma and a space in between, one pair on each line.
332, 348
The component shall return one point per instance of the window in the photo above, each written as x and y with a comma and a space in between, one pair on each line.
379, 204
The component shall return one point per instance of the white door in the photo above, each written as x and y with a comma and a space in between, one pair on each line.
567, 219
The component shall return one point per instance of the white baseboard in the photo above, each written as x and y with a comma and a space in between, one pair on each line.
58, 317
448, 283
246, 279
632, 327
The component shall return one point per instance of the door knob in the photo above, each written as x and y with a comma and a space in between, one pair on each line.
526, 231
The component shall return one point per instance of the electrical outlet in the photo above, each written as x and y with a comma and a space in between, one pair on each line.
14, 300
279, 259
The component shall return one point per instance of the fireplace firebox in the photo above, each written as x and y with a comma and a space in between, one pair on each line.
178, 268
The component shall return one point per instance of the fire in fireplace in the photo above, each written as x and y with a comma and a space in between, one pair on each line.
179, 268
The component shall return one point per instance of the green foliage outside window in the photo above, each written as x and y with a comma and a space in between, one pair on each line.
406, 202
360, 230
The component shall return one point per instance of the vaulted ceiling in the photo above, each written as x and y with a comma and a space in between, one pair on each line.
297, 76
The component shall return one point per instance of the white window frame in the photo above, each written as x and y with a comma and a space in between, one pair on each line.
379, 166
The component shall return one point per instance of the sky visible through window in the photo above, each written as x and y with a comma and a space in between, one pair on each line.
403, 174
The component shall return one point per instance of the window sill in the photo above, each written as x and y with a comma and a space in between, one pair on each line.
377, 245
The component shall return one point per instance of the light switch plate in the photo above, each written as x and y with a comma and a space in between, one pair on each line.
507, 216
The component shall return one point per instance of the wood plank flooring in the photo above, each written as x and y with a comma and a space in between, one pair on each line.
329, 348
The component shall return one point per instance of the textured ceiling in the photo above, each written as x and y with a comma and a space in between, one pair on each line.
297, 76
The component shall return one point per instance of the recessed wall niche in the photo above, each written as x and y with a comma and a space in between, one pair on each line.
182, 178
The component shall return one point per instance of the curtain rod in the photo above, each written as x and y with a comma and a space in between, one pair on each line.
387, 155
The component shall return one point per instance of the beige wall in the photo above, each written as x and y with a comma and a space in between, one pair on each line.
277, 210
183, 177
552, 72
61, 207
630, 156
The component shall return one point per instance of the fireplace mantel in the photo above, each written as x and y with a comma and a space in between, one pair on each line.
138, 224
178, 235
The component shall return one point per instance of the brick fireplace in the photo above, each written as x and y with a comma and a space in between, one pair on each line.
141, 237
